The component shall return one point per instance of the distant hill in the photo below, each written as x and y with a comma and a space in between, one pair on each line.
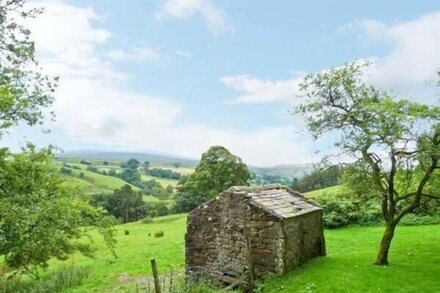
125, 156
287, 171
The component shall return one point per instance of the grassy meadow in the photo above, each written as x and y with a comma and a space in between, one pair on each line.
348, 267
93, 182
415, 253
322, 191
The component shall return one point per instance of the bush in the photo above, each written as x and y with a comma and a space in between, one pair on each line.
341, 209
65, 171
92, 169
157, 209
417, 219
147, 220
66, 277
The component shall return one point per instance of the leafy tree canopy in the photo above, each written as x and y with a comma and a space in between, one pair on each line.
395, 142
217, 171
124, 204
41, 218
24, 90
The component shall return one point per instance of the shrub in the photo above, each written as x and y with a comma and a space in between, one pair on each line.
65, 171
157, 209
92, 169
66, 277
158, 234
417, 219
147, 220
342, 209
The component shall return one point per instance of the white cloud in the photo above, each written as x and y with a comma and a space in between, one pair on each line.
215, 18
256, 90
136, 54
408, 69
414, 57
94, 107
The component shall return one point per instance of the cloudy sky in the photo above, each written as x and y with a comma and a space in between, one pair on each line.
177, 76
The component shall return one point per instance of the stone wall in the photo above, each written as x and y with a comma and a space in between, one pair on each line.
216, 246
216, 243
304, 239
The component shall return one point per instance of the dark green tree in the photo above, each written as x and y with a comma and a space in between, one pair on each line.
396, 143
40, 218
126, 204
132, 164
131, 176
217, 171
24, 90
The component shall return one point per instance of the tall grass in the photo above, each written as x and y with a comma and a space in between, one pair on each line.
65, 277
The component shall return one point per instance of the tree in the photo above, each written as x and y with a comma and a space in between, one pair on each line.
217, 171
40, 218
133, 164
124, 204
396, 143
24, 90
320, 177
131, 176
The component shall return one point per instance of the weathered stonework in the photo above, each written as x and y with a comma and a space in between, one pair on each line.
283, 228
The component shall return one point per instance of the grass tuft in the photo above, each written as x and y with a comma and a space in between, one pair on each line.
63, 278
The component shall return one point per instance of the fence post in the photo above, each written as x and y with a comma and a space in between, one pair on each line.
250, 259
155, 276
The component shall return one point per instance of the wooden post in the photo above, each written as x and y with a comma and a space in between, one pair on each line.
250, 260
155, 276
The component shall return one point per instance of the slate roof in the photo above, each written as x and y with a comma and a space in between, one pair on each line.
278, 200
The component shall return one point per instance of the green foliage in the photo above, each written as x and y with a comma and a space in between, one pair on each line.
320, 177
65, 171
92, 169
341, 209
131, 176
396, 143
157, 209
24, 90
40, 218
132, 164
64, 278
163, 173
218, 170
124, 204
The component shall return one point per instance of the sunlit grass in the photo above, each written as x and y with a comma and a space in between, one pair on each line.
415, 258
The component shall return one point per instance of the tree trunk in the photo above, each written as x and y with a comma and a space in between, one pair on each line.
382, 258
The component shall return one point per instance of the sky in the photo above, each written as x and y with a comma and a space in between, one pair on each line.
177, 76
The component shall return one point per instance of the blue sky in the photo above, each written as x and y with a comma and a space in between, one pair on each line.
177, 76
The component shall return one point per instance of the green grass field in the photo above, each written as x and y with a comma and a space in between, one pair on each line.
95, 183
415, 258
98, 183
322, 191
163, 181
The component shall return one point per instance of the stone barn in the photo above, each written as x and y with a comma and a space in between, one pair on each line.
271, 229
